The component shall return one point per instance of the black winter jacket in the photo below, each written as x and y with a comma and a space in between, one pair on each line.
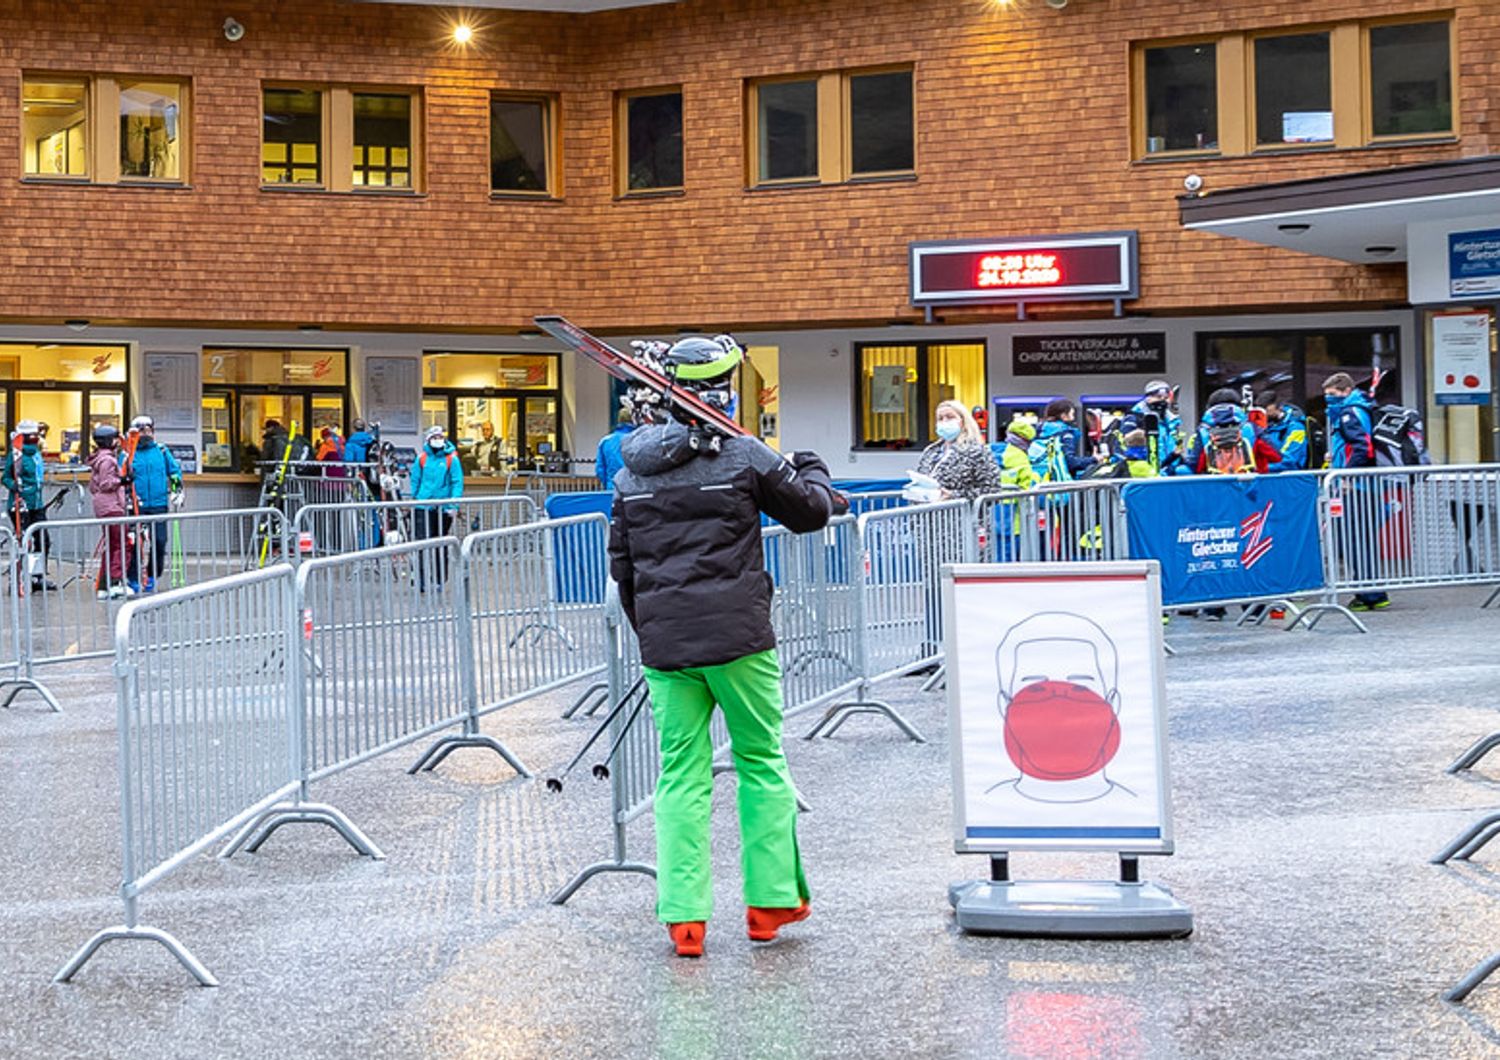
684, 542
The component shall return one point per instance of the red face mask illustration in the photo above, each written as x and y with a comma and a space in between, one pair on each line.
1058, 730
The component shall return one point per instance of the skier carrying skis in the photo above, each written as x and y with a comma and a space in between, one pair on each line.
685, 548
23, 476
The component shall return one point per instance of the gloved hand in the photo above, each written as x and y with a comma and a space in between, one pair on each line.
806, 458
177, 501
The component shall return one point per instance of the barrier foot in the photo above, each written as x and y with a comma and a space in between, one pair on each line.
805, 659
446, 745
1315, 612
21, 684
1170, 651
937, 680
1493, 597
598, 868
120, 932
542, 628
1471, 757
835, 717
1479, 974
595, 694
254, 834
1469, 841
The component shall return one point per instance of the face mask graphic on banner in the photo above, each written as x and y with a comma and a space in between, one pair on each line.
1058, 676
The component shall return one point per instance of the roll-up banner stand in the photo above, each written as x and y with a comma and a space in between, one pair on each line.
1057, 713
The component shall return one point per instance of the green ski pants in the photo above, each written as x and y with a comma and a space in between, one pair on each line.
748, 690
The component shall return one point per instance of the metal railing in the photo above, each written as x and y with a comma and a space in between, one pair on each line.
205, 698
1069, 522
337, 529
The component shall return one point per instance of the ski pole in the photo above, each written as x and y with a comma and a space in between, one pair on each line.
555, 784
601, 769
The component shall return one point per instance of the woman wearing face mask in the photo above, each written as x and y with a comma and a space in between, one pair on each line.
960, 460
436, 474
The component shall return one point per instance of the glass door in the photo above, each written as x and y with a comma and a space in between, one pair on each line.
480, 431
256, 410
541, 427
61, 411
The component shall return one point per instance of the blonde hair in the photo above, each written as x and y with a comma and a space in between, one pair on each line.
970, 431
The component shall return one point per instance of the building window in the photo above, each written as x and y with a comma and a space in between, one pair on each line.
650, 130
382, 140
1182, 98
1293, 90
292, 143
150, 130
831, 128
338, 139
522, 145
103, 129
500, 409
54, 384
900, 387
246, 387
1411, 79
1348, 85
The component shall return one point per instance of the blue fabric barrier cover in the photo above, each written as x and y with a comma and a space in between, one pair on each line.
1227, 538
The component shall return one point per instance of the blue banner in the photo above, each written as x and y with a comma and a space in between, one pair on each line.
1474, 263
1227, 538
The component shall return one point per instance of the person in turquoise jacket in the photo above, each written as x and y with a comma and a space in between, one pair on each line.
23, 477
436, 474
154, 483
1286, 429
1351, 444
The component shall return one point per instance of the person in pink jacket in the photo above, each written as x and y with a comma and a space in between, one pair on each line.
107, 488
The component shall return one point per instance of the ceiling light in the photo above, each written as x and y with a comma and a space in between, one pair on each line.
77, 324
463, 33
1293, 228
1380, 250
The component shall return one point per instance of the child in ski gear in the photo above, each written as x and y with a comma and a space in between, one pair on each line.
331, 452
155, 483
436, 474
1055, 454
1136, 455
1225, 443
1164, 444
1286, 430
359, 443
107, 490
1350, 445
685, 548
959, 460
23, 476
1016, 471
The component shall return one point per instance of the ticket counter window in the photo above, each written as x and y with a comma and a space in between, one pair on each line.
246, 387
56, 384
501, 410
900, 387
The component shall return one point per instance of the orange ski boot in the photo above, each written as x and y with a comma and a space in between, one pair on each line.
688, 937
761, 924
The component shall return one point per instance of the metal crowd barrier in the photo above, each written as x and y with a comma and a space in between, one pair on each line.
815, 612
337, 529
536, 618
72, 573
1068, 522
14, 678
898, 604
205, 708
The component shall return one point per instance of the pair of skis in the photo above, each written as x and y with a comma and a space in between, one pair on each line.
273, 499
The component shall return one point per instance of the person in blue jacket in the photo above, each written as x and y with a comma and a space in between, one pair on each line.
25, 471
1351, 444
436, 474
1165, 446
357, 445
1055, 454
607, 458
1286, 429
155, 484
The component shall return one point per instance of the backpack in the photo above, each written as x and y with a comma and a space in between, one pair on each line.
1317, 441
1399, 436
1226, 452
1048, 461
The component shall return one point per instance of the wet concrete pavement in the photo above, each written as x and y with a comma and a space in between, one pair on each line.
1308, 793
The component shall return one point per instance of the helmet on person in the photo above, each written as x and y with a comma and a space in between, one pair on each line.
1022, 430
1158, 386
28, 429
143, 422
434, 431
105, 435
706, 367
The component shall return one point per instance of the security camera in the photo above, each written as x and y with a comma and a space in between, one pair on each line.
233, 30
1057, 5
1193, 183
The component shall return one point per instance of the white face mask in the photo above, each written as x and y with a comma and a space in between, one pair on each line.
947, 430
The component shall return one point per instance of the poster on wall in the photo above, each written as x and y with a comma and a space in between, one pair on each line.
169, 392
888, 389
393, 393
1461, 358
1122, 353
186, 456
1474, 263
1057, 708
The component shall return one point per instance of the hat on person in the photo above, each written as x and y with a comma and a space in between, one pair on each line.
1158, 385
433, 432
1021, 429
